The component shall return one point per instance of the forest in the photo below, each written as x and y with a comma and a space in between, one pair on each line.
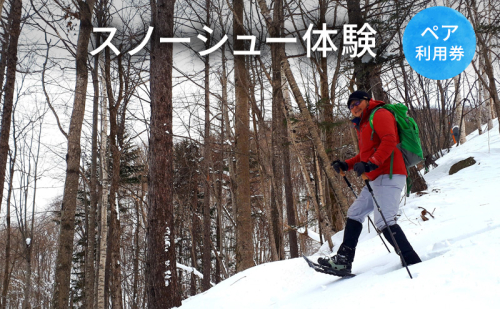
151, 149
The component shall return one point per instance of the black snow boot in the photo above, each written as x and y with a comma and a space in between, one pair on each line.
352, 231
410, 256
342, 261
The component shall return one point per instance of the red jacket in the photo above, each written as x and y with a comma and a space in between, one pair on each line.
378, 150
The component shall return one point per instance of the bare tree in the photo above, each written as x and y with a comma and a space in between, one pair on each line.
161, 275
207, 162
277, 134
459, 113
244, 246
68, 207
103, 236
14, 31
90, 258
7, 262
488, 67
114, 228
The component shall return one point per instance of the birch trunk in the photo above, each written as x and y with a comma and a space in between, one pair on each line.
103, 244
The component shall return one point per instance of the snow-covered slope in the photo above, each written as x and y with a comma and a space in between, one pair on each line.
460, 249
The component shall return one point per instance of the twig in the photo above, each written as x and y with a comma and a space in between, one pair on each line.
427, 212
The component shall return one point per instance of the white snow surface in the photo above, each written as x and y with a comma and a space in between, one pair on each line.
460, 250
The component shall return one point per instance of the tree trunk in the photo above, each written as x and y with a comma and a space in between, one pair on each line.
277, 133
290, 207
486, 94
310, 125
30, 230
326, 107
277, 180
114, 225
11, 57
161, 274
103, 246
68, 207
361, 70
6, 274
136, 256
459, 113
230, 137
376, 84
489, 71
442, 122
263, 175
221, 169
1, 8
244, 226
479, 113
312, 195
195, 234
90, 269
418, 182
11, 62
206, 257
27, 289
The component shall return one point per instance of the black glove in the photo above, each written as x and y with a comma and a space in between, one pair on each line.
340, 165
364, 167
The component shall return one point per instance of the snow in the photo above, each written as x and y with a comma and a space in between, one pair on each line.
189, 269
310, 233
459, 249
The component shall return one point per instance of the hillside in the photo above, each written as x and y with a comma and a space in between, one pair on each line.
459, 247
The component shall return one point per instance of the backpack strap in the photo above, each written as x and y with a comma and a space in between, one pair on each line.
373, 131
370, 120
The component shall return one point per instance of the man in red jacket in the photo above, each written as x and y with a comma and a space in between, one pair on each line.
376, 150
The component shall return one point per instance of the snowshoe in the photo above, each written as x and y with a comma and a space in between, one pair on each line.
327, 269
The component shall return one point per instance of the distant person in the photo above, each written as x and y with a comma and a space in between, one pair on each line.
374, 160
456, 134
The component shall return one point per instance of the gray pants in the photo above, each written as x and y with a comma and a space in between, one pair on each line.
387, 192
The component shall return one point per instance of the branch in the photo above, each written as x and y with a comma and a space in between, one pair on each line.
45, 90
191, 270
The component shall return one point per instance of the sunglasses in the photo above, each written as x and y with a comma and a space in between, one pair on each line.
354, 103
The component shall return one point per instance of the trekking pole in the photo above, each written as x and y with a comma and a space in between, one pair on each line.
369, 219
398, 251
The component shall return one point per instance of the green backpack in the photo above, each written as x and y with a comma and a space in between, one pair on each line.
408, 136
